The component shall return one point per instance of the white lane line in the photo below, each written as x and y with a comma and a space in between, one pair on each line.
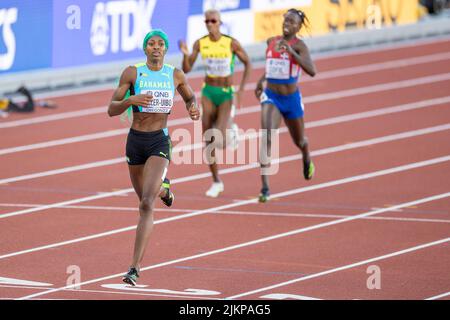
22, 282
68, 202
245, 202
107, 208
261, 240
82, 138
85, 166
283, 296
312, 124
392, 64
345, 267
54, 117
324, 151
379, 87
231, 212
327, 216
443, 295
37, 299
180, 121
65, 141
112, 292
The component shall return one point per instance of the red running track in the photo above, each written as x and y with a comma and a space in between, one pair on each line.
379, 205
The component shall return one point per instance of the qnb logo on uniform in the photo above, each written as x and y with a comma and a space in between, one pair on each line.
120, 25
7, 18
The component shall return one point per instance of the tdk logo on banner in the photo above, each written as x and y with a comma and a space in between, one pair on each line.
7, 18
220, 4
112, 21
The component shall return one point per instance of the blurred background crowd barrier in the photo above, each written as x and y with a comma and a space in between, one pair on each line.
49, 44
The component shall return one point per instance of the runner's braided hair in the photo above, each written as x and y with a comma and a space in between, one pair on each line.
304, 21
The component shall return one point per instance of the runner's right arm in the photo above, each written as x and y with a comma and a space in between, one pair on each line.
189, 59
259, 85
118, 102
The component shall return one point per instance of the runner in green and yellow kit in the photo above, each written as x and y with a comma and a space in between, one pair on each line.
218, 52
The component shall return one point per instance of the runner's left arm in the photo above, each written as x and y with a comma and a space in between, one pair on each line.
300, 53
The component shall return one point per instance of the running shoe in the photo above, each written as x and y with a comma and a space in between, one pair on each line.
233, 111
215, 189
264, 195
233, 131
131, 276
169, 197
233, 136
308, 170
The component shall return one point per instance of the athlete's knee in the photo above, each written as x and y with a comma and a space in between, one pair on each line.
302, 143
146, 205
221, 141
216, 137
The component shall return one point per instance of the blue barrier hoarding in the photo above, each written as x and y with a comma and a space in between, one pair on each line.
236, 18
25, 35
112, 30
67, 33
200, 6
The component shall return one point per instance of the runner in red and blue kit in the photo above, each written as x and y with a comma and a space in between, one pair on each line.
286, 56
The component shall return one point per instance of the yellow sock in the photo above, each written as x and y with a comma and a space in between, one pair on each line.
4, 104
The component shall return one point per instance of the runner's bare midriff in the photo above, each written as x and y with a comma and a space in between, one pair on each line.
149, 121
219, 81
284, 89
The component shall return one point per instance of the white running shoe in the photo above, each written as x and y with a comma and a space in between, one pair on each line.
232, 131
215, 189
233, 137
233, 111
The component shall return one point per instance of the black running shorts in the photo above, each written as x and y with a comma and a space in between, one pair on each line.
142, 145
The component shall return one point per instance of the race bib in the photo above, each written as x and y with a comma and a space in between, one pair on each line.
162, 101
218, 67
277, 68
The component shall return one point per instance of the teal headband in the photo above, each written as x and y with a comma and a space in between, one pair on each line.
156, 32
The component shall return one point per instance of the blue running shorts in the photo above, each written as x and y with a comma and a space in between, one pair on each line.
290, 106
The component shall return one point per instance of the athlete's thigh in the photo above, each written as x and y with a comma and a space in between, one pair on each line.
223, 115
270, 116
296, 128
137, 177
154, 172
209, 113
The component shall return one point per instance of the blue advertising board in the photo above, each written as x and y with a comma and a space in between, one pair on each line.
67, 33
112, 30
25, 35
200, 6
